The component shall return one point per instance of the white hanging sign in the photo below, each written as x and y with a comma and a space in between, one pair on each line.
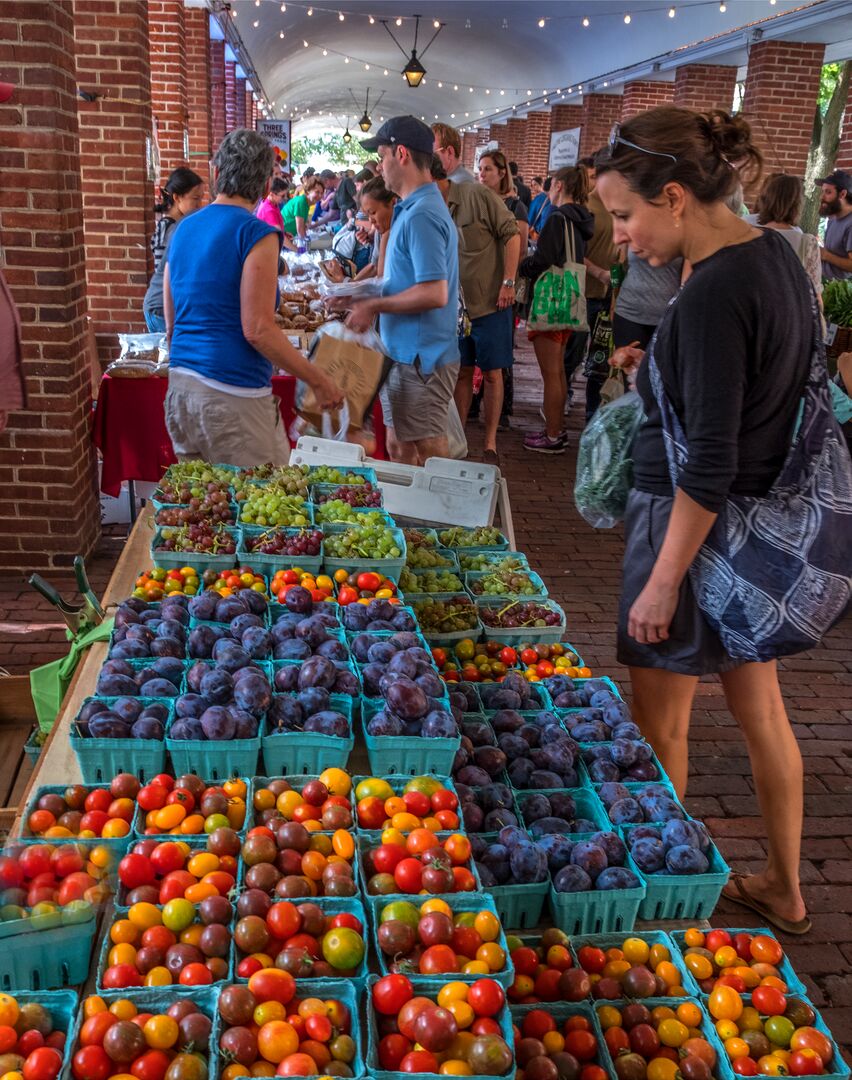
564, 148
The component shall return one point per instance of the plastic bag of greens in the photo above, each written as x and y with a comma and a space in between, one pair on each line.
604, 462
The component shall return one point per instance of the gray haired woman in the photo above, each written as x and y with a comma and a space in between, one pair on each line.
220, 298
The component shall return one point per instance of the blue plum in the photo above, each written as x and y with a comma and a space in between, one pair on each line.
617, 877
572, 878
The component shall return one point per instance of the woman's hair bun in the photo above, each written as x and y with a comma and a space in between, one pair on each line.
730, 134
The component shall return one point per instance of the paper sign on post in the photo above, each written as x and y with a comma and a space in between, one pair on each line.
564, 148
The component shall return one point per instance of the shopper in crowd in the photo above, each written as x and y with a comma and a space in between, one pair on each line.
269, 209
361, 179
779, 206
182, 194
345, 198
489, 251
307, 175
297, 213
524, 193
448, 147
601, 255
539, 198
643, 298
542, 213
328, 211
372, 166
569, 191
836, 205
378, 204
419, 304
733, 351
494, 173
220, 292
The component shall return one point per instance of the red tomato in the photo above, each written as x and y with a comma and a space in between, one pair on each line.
485, 1026
537, 1023
466, 941
195, 975
43, 1064
94, 821
152, 797
591, 959
508, 656
29, 1041
392, 1049
417, 803
769, 1001
283, 920
135, 871
164, 780
388, 857
369, 582
582, 1044
167, 857
616, 1039
810, 1038
802, 1064
297, 1065
408, 874
120, 976
99, 799
444, 800
742, 943
525, 960
716, 939
438, 960
350, 922
593, 1072
174, 885
486, 997
91, 1063
390, 993
183, 797
248, 966
34, 860
152, 1065
547, 985
745, 1066
464, 879
95, 1027
419, 1061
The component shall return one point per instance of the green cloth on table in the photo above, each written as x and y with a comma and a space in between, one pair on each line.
49, 682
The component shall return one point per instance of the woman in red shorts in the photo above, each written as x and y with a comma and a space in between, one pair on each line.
569, 191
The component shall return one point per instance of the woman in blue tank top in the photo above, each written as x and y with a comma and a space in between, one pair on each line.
220, 297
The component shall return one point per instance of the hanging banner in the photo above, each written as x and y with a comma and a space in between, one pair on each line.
564, 148
278, 133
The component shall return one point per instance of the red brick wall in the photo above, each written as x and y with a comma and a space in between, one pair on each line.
516, 134
497, 133
47, 475
240, 92
468, 149
780, 99
600, 112
230, 95
198, 88
168, 80
112, 50
536, 151
255, 113
218, 126
705, 86
645, 94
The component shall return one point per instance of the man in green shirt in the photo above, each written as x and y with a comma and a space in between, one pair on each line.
489, 251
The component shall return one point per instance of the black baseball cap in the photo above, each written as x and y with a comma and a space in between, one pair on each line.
840, 179
405, 131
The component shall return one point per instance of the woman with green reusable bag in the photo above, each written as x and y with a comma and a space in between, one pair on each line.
558, 305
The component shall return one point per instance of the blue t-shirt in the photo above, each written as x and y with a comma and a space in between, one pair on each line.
422, 246
205, 260
536, 205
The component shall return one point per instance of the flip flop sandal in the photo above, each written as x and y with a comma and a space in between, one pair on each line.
745, 899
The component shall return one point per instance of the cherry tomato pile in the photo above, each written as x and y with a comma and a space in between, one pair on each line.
547, 1050
156, 872
125, 1040
305, 940
544, 971
457, 1034
320, 805
265, 1024
292, 863
320, 586
154, 584
419, 862
635, 970
424, 803
362, 588
175, 943
53, 884
86, 812
653, 1044
490, 662
30, 1047
743, 961
188, 806
434, 940
769, 1033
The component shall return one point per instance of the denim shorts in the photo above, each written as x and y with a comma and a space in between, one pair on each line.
489, 344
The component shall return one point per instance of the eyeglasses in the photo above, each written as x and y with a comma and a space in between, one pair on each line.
615, 140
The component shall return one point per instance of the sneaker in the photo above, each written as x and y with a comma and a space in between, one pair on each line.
541, 444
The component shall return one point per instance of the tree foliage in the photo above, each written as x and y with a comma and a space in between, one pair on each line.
327, 151
828, 121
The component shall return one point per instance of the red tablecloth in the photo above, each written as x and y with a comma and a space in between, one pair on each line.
129, 428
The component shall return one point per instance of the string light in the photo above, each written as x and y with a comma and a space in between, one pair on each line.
440, 84
723, 7
256, 23
281, 33
366, 67
346, 60
399, 22
586, 21
305, 43
541, 24
671, 12
341, 16
455, 86
436, 24
283, 7
310, 11
372, 21
627, 19
325, 52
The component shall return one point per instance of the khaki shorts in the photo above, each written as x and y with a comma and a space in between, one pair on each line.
223, 428
415, 405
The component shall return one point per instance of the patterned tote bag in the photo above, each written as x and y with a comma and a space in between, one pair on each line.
775, 572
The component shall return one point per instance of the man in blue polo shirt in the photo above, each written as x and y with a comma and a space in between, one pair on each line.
419, 301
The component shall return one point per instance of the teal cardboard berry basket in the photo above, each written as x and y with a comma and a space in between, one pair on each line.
157, 1000
534, 634
519, 906
364, 471
267, 564
561, 1011
403, 754
598, 911
586, 801
33, 748
174, 560
214, 760
297, 783
374, 902
448, 637
358, 564
308, 752
319, 490
682, 896
102, 759
420, 593
303, 509
52, 958
327, 517
491, 557
456, 536
473, 576
795, 986
650, 937
116, 844
458, 903
65, 1013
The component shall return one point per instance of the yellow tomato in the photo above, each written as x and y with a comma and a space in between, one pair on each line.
124, 1009
444, 908
492, 955
121, 954
454, 1067
636, 951
145, 915
463, 1013
736, 1048
487, 925
662, 1069
337, 781
725, 1003
673, 1033
689, 1014
158, 976
554, 1043
657, 954
609, 1016
726, 957
749, 1019
726, 1029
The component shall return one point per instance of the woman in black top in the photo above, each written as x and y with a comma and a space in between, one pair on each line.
733, 351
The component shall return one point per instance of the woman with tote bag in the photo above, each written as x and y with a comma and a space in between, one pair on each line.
557, 279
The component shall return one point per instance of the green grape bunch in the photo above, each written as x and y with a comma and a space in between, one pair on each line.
489, 560
363, 542
273, 505
445, 616
427, 558
328, 474
336, 511
504, 583
429, 581
460, 537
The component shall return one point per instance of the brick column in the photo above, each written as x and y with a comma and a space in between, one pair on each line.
230, 95
515, 136
255, 113
781, 91
113, 62
48, 492
218, 127
600, 112
497, 133
168, 80
240, 92
468, 155
705, 86
198, 88
537, 148
565, 117
645, 94
249, 104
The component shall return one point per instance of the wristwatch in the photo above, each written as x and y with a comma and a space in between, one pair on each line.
509, 283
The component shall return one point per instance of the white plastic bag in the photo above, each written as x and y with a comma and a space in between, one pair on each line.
365, 289
141, 356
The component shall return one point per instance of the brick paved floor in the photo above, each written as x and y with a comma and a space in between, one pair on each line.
581, 568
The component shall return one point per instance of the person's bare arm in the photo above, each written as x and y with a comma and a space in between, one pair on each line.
301, 227
654, 608
257, 314
842, 262
168, 304
597, 272
511, 258
423, 297
844, 366
524, 234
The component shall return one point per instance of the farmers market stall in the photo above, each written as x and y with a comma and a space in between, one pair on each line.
340, 797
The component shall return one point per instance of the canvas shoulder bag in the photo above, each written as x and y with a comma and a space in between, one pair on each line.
559, 295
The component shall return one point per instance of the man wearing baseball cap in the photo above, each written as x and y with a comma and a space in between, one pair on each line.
419, 301
836, 205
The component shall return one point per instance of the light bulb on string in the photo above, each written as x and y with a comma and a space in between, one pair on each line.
586, 21
399, 22
256, 23
627, 19
305, 43
541, 24
723, 7
281, 33
502, 93
386, 71
671, 12
372, 21
341, 16
440, 85
455, 86
325, 52
310, 11
436, 24
346, 60
283, 7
